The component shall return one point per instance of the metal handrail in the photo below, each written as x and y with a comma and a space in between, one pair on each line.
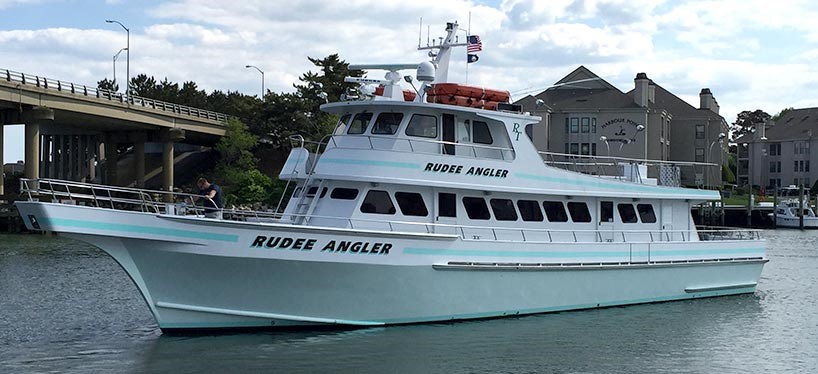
604, 166
101, 93
152, 202
331, 139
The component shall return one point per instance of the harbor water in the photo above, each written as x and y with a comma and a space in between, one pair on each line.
66, 307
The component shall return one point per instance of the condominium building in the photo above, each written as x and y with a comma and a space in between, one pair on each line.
585, 115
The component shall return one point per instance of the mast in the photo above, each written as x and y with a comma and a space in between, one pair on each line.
444, 52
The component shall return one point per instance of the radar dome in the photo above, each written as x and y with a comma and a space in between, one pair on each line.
426, 72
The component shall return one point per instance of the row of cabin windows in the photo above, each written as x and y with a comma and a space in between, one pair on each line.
412, 204
420, 125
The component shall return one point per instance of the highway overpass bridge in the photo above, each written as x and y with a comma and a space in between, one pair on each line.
70, 129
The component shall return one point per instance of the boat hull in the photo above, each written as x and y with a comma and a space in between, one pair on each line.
199, 273
794, 222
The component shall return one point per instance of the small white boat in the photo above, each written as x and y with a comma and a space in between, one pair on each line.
412, 211
787, 211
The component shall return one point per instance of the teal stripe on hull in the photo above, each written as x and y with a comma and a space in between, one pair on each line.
138, 229
394, 164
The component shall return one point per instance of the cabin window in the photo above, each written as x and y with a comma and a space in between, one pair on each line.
579, 212
377, 202
339, 129
312, 191
646, 214
555, 211
387, 123
359, 123
423, 126
341, 193
626, 213
411, 204
530, 210
503, 210
297, 192
446, 204
606, 211
482, 134
529, 131
476, 208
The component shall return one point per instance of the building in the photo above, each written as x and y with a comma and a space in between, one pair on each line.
778, 153
585, 115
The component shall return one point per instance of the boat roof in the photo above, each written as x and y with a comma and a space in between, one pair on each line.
342, 107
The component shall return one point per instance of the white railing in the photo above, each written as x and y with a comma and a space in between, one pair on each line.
407, 145
113, 96
183, 204
664, 172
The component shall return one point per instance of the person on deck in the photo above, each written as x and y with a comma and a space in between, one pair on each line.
214, 203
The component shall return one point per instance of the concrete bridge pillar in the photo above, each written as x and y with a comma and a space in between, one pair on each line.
2, 163
169, 137
139, 140
33, 119
111, 160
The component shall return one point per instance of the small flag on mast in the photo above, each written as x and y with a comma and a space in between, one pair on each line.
471, 58
474, 44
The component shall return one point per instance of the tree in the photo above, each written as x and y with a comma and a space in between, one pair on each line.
782, 113
242, 182
746, 122
106, 84
331, 79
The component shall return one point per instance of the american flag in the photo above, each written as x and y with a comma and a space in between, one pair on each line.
474, 44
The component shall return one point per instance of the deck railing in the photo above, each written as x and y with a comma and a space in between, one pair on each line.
660, 172
112, 96
185, 204
408, 145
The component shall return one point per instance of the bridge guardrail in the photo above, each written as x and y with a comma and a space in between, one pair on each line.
100, 93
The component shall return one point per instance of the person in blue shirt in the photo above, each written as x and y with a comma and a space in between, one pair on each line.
213, 206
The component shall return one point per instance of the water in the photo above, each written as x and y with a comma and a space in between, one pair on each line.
66, 307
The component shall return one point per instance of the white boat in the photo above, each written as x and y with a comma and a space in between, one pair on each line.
411, 212
786, 212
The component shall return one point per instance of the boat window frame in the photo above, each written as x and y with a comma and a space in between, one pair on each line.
505, 208
622, 208
338, 193
407, 209
365, 125
649, 215
482, 213
393, 126
411, 126
582, 215
486, 131
559, 215
374, 207
532, 206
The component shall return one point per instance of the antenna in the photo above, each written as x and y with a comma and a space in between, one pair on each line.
428, 28
420, 31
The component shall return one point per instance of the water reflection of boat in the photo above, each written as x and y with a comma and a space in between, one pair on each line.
791, 208
410, 212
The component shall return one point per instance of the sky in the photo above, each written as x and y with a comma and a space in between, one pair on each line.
752, 54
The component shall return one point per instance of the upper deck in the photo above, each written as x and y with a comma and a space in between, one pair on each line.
386, 141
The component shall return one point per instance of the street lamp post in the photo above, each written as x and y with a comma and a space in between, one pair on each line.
128, 61
115, 57
262, 78
720, 140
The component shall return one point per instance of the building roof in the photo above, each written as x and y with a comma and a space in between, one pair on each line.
678, 108
582, 89
794, 124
